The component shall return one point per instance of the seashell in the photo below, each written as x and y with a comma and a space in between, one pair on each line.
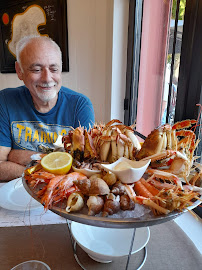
83, 185
112, 205
95, 186
96, 175
75, 202
110, 178
95, 205
98, 187
126, 203
119, 188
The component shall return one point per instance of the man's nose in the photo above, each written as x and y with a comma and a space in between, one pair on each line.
46, 75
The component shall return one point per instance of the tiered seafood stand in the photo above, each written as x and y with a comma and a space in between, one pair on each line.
108, 222
145, 219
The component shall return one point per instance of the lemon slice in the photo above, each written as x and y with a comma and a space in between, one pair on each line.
57, 162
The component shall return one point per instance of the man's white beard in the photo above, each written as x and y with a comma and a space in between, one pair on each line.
47, 96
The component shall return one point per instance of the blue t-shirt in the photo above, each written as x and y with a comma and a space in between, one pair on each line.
23, 127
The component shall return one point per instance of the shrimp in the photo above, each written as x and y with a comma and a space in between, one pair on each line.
65, 186
38, 177
46, 200
59, 197
68, 181
58, 188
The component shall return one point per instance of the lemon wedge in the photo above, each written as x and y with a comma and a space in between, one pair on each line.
57, 162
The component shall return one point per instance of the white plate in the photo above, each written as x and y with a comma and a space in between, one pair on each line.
13, 196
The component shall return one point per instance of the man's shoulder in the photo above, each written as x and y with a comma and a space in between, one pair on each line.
71, 93
12, 91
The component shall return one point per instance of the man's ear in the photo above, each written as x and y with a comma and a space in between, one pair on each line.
18, 70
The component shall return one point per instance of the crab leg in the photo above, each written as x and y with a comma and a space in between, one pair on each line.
159, 156
184, 124
165, 176
120, 148
114, 146
130, 134
105, 145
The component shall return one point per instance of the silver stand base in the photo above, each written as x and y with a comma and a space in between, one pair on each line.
74, 244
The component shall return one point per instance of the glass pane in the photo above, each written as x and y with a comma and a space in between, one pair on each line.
172, 70
198, 151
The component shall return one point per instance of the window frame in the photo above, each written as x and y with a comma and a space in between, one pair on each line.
190, 73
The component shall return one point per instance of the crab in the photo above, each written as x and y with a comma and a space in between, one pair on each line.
171, 148
106, 143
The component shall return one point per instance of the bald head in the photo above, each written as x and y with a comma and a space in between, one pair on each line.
32, 41
39, 66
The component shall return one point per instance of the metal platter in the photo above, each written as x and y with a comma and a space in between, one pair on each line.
108, 222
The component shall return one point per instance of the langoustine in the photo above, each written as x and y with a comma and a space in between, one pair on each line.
162, 199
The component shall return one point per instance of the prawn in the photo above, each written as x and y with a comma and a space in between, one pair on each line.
65, 186
58, 188
38, 177
46, 200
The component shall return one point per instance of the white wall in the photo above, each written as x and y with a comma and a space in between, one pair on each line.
97, 37
90, 30
119, 58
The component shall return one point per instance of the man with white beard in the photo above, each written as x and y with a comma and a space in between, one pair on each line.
35, 114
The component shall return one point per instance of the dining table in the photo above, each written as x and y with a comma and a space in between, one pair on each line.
35, 234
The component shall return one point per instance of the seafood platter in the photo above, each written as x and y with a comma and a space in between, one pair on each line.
113, 180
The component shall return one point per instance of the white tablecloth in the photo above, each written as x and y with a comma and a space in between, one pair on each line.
28, 217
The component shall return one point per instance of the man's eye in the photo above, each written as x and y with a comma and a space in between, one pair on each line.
53, 69
35, 70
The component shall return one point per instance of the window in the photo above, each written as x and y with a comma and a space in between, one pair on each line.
164, 64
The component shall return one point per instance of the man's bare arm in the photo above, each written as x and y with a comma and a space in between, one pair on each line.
10, 170
21, 157
13, 162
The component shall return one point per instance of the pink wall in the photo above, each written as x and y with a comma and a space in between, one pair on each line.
152, 63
